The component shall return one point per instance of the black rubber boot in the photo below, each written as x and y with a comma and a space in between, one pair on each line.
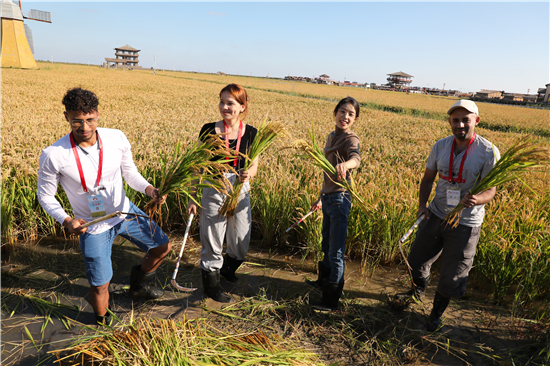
211, 284
103, 319
331, 295
142, 284
230, 266
324, 273
418, 292
440, 304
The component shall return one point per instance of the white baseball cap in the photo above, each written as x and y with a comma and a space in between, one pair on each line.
466, 104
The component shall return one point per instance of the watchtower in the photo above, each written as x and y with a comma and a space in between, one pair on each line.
399, 80
125, 56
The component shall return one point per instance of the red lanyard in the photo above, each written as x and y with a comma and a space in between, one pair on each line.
450, 177
225, 128
77, 158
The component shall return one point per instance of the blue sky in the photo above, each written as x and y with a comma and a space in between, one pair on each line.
465, 45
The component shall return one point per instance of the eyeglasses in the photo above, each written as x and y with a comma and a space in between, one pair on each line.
80, 122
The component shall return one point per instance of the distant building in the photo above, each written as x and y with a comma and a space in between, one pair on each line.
126, 57
530, 98
299, 78
399, 80
540, 94
350, 83
543, 94
489, 94
513, 97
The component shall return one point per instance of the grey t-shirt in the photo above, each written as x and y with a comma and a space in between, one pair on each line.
482, 156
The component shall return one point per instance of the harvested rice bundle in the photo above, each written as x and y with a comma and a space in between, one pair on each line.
315, 154
520, 158
267, 132
189, 168
181, 342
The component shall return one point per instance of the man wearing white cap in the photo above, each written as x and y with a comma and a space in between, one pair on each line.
470, 156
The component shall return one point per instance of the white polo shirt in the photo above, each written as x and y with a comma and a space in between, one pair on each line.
57, 164
481, 157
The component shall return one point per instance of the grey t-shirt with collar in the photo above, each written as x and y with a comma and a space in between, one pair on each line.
482, 156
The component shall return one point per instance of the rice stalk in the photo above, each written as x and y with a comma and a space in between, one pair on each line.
182, 342
520, 158
267, 132
48, 309
198, 166
29, 335
316, 156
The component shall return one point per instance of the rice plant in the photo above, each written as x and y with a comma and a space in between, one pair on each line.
391, 167
267, 132
192, 167
313, 152
183, 342
522, 157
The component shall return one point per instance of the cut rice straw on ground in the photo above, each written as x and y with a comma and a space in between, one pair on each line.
315, 154
48, 309
188, 168
267, 132
520, 158
182, 342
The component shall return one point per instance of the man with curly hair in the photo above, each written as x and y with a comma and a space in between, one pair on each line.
90, 162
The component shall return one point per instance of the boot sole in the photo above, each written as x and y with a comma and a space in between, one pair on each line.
223, 300
137, 296
314, 284
323, 308
230, 279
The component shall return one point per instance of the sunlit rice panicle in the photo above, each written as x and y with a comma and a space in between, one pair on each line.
267, 132
188, 168
313, 152
522, 157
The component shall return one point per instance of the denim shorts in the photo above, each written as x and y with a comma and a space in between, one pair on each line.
96, 249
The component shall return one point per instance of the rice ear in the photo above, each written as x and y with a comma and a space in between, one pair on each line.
184, 168
266, 135
523, 156
313, 152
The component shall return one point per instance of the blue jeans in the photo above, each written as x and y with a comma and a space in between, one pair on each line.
96, 249
336, 207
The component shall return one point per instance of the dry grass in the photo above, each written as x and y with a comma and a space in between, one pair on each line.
182, 342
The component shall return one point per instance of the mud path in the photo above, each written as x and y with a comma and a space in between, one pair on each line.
56, 269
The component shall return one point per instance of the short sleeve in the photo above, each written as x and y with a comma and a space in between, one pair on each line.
492, 159
432, 158
206, 130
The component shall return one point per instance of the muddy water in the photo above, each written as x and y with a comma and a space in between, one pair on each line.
56, 267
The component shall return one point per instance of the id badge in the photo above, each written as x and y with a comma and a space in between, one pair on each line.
453, 197
97, 207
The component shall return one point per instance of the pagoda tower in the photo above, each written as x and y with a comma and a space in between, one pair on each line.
399, 80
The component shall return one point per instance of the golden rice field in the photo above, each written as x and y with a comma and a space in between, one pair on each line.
396, 131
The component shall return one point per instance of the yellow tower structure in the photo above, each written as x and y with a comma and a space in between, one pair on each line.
16, 47
15, 51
